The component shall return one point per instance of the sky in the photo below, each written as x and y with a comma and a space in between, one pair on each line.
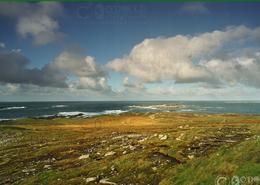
129, 51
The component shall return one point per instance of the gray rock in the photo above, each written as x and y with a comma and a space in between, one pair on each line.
163, 137
47, 166
91, 179
84, 156
105, 181
110, 153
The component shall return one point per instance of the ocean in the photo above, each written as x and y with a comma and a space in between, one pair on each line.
14, 110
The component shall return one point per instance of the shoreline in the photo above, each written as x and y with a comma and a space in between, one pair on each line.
80, 115
50, 110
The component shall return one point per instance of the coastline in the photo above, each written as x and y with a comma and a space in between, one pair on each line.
17, 110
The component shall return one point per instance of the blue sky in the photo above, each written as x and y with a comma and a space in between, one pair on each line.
110, 31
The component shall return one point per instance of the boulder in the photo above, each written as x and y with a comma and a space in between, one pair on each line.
47, 166
163, 137
91, 179
110, 153
84, 156
105, 181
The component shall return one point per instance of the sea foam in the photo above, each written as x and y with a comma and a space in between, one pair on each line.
12, 108
89, 114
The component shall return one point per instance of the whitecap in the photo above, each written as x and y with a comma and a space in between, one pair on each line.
70, 113
89, 114
3, 119
114, 111
59, 106
186, 110
159, 106
142, 107
12, 108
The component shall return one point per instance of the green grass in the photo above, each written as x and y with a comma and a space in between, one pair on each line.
209, 147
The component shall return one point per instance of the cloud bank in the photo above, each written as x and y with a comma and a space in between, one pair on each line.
91, 75
66, 70
193, 59
14, 69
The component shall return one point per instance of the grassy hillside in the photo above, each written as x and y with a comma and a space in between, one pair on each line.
155, 148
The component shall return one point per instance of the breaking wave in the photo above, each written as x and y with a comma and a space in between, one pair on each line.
159, 107
142, 107
12, 108
89, 114
3, 119
59, 106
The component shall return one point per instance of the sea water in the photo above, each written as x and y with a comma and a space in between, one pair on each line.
13, 110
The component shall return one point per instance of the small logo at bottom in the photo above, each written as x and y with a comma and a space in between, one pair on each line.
221, 180
235, 180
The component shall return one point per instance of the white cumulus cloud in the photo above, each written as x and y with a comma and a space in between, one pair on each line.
89, 74
36, 20
238, 70
67, 70
179, 58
